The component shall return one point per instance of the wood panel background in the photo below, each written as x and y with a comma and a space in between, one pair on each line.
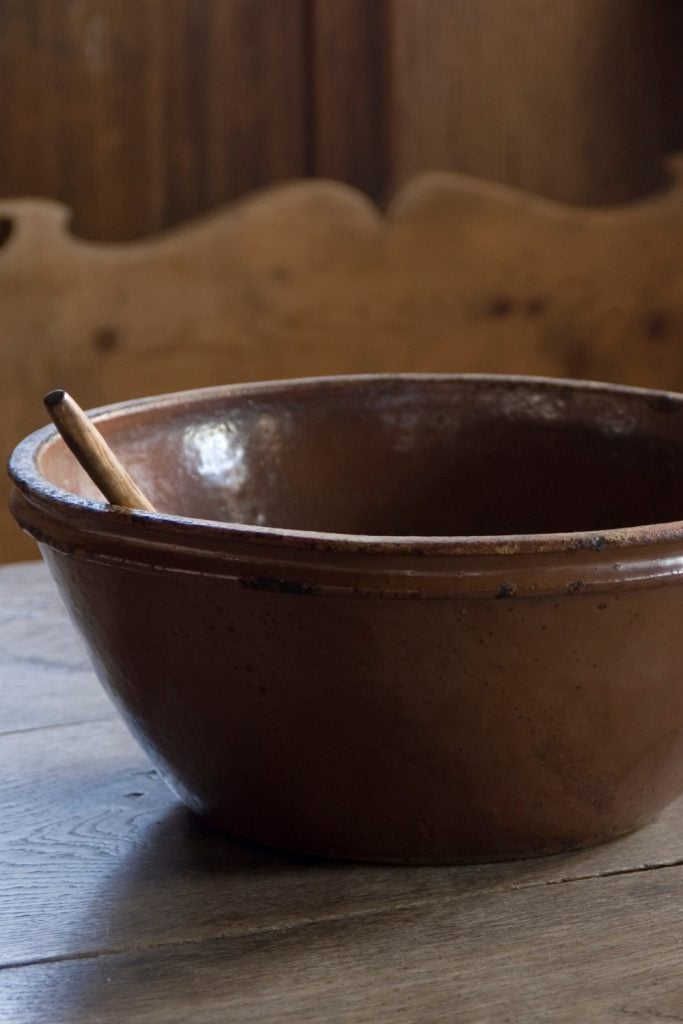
141, 113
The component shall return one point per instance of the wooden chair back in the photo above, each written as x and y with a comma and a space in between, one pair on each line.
310, 278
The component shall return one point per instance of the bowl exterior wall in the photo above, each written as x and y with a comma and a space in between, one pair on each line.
393, 728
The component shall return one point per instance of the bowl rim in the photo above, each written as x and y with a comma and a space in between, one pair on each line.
38, 490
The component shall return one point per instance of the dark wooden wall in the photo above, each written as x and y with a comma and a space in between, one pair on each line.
142, 113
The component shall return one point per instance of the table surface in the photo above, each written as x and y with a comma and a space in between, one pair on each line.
119, 906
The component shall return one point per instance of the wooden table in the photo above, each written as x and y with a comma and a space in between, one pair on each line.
119, 906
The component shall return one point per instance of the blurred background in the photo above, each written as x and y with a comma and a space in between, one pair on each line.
127, 119
141, 113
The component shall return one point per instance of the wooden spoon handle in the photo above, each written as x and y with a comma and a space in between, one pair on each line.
93, 452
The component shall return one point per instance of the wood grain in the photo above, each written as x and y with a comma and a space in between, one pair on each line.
45, 683
349, 89
564, 99
310, 278
141, 113
671, 74
604, 951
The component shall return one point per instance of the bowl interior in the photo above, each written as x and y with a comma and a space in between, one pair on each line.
403, 456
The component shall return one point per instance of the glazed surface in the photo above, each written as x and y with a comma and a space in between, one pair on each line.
407, 457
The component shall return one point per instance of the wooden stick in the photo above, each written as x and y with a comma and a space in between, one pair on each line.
93, 452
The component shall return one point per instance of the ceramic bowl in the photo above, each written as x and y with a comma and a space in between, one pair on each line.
411, 618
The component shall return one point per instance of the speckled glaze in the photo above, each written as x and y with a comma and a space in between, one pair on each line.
412, 618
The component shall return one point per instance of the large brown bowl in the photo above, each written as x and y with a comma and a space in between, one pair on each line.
413, 618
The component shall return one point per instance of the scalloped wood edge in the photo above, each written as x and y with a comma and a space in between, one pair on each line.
311, 278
